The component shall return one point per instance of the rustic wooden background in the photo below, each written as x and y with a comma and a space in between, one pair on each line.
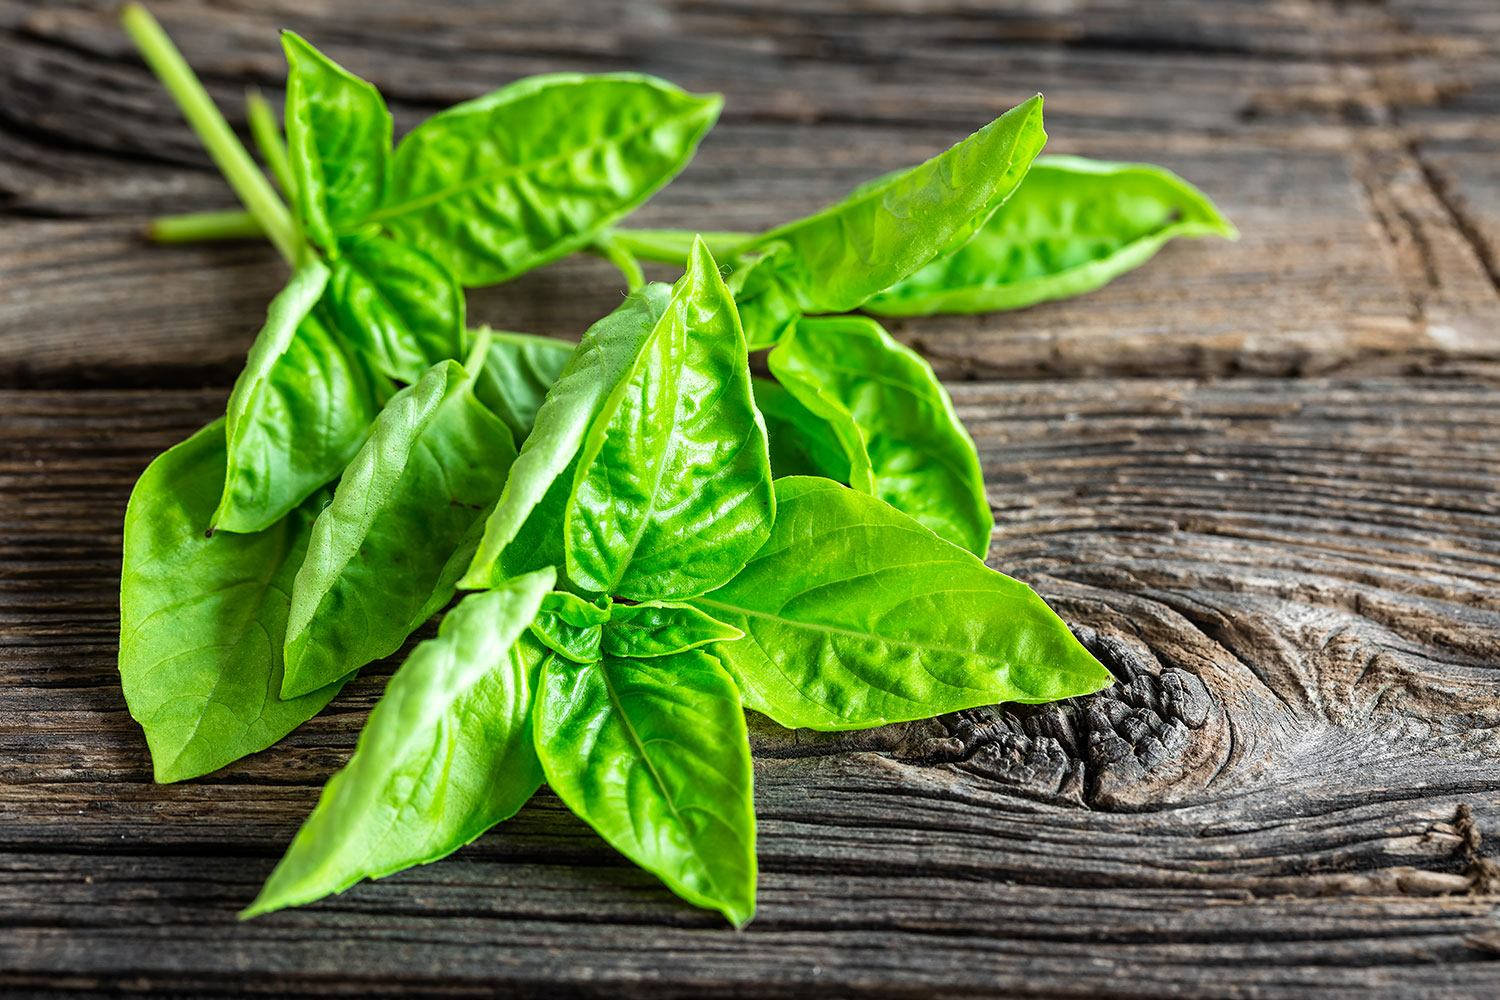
1263, 478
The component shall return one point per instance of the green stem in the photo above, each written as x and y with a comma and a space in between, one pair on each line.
608, 248
672, 246
265, 129
196, 226
254, 191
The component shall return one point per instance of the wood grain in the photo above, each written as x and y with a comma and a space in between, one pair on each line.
1260, 478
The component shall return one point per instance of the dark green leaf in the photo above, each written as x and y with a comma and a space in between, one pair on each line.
673, 488
435, 462
298, 412
653, 754
660, 629
904, 442
855, 616
339, 141
201, 619
446, 754
835, 260
517, 373
542, 476
502, 184
1073, 225
397, 305
802, 443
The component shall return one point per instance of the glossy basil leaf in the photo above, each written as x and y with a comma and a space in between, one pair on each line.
398, 306
436, 460
661, 629
530, 509
802, 443
1073, 225
673, 246
673, 487
833, 261
502, 184
855, 615
446, 754
903, 439
298, 412
201, 619
338, 139
653, 754
571, 626
518, 371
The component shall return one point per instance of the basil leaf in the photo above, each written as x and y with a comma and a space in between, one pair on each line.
1073, 226
903, 439
502, 184
653, 754
201, 618
338, 139
673, 487
397, 305
570, 626
802, 443
435, 461
855, 615
298, 411
833, 261
446, 754
530, 508
660, 629
517, 373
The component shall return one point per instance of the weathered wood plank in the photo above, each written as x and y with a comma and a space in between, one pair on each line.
1294, 116
1294, 580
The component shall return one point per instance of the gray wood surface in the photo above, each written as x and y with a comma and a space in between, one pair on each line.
1261, 479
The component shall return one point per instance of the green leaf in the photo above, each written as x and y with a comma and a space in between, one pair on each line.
653, 754
502, 184
833, 261
802, 443
1074, 225
446, 754
298, 412
338, 138
530, 510
435, 462
641, 631
855, 615
673, 487
518, 371
571, 626
397, 305
904, 441
201, 619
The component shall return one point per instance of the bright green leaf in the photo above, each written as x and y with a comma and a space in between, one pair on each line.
397, 305
446, 754
435, 462
855, 615
903, 439
833, 261
502, 184
518, 371
201, 619
653, 754
571, 626
672, 491
529, 513
661, 629
338, 139
802, 443
1074, 225
298, 412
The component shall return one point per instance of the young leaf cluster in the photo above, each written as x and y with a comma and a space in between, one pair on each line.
650, 539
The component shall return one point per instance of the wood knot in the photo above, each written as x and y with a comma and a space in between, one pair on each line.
1483, 873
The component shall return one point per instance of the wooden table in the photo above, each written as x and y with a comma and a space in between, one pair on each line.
1262, 478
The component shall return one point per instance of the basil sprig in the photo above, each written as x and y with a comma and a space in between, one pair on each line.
653, 540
